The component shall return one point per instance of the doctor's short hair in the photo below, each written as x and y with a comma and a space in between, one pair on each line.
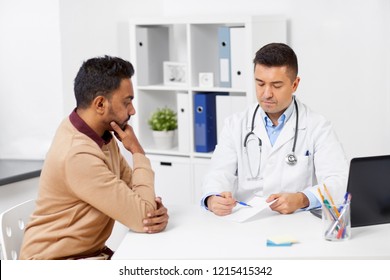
278, 54
100, 76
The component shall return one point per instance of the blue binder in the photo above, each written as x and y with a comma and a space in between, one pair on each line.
205, 122
224, 48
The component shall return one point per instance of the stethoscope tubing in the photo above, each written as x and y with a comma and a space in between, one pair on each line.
291, 158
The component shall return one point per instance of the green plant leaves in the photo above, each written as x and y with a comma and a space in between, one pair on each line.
163, 120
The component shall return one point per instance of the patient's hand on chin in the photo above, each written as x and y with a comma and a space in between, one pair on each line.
128, 138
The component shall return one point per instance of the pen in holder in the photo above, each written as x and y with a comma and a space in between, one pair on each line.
336, 220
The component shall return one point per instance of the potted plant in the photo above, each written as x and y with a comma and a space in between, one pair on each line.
163, 122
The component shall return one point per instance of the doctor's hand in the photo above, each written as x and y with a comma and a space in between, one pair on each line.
157, 220
127, 137
288, 203
222, 204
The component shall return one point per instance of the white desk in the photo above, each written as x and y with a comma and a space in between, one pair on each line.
194, 233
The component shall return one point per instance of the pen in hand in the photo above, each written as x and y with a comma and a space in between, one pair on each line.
239, 202
243, 203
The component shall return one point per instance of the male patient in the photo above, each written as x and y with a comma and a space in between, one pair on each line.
86, 184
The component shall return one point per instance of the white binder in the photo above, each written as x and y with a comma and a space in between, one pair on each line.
226, 106
152, 50
183, 121
237, 43
224, 56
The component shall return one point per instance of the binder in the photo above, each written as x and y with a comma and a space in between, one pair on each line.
183, 120
205, 122
237, 43
224, 56
152, 50
227, 106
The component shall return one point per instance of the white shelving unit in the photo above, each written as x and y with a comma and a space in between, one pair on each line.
193, 42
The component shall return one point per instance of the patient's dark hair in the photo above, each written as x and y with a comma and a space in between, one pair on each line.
278, 54
100, 76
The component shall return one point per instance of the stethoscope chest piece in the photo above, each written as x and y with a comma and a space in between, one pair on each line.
291, 159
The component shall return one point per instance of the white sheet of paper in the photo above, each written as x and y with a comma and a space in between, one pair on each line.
242, 213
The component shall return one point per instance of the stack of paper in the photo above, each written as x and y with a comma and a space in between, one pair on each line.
281, 240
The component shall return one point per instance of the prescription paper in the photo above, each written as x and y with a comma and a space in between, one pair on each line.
242, 213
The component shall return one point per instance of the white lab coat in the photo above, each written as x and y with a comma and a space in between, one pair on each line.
326, 162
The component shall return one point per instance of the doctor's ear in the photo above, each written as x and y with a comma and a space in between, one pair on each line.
296, 83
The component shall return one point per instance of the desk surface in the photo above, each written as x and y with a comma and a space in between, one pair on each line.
194, 233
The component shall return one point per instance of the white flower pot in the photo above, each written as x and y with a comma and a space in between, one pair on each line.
163, 139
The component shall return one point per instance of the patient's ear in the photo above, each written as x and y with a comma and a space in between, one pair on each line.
99, 104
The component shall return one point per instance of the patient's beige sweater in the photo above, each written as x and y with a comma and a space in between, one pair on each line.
85, 185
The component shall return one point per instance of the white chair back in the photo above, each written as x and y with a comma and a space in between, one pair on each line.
13, 222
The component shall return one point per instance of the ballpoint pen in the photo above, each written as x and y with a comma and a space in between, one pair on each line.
243, 203
338, 222
345, 202
239, 202
341, 231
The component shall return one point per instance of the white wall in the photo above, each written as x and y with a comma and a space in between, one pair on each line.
42, 45
95, 28
343, 48
30, 77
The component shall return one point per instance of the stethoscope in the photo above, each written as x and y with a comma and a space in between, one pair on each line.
291, 158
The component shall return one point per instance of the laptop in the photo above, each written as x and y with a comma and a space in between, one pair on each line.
369, 185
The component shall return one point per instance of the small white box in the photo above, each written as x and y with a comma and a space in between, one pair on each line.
206, 79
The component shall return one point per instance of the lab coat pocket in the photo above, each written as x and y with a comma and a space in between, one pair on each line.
299, 176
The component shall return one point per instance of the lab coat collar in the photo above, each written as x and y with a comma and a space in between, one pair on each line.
288, 130
287, 114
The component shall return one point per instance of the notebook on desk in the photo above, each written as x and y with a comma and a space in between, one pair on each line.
369, 184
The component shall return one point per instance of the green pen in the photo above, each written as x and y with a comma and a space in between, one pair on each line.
327, 204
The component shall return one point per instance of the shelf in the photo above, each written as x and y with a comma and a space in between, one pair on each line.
175, 152
193, 46
204, 19
172, 152
194, 43
202, 155
218, 89
162, 87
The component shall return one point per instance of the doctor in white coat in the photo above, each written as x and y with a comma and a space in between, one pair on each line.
278, 149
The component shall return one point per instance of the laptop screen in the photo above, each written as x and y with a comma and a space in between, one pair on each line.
369, 184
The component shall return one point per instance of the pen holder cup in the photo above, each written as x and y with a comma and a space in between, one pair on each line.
336, 220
